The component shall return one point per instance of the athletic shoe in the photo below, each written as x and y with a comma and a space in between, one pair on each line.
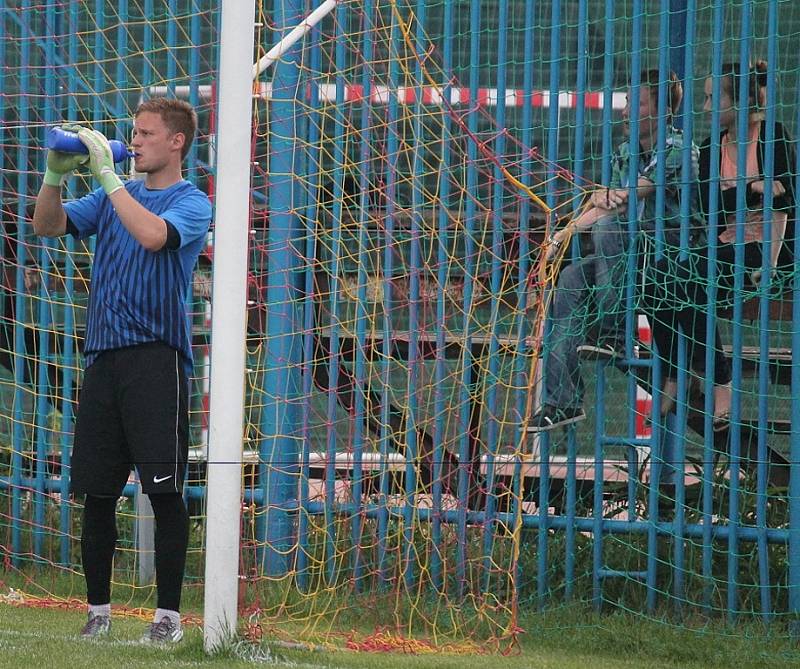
603, 349
549, 417
96, 626
164, 632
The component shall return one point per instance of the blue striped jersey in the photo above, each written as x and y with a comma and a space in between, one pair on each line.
139, 296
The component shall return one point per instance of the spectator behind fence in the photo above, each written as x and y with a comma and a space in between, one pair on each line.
686, 298
590, 291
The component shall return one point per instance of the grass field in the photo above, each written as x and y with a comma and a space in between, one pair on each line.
36, 638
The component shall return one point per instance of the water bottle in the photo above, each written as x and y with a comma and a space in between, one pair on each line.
66, 141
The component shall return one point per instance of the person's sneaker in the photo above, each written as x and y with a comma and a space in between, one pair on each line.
163, 632
550, 417
96, 627
603, 349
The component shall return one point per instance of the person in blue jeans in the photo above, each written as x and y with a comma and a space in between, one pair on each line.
589, 292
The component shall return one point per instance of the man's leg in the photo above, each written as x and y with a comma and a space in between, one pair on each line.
99, 469
98, 541
155, 391
171, 543
608, 237
563, 386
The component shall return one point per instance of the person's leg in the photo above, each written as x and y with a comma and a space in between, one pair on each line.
171, 542
154, 390
609, 239
98, 469
98, 541
658, 303
687, 290
692, 285
563, 386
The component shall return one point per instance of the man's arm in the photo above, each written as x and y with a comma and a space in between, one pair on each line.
49, 217
644, 188
145, 227
603, 202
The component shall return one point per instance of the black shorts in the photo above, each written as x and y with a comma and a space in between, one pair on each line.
133, 412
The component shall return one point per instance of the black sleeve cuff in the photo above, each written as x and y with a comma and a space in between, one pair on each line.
173, 242
71, 229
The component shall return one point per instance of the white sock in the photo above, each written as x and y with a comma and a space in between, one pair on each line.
99, 609
174, 616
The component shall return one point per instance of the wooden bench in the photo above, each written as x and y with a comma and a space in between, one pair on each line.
373, 466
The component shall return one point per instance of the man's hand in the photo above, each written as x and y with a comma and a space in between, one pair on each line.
777, 187
101, 160
609, 198
555, 244
60, 165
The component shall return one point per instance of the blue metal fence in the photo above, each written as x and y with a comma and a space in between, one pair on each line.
454, 447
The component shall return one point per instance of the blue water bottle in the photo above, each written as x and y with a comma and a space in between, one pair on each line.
65, 141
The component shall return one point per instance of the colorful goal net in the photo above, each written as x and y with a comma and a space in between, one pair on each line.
411, 163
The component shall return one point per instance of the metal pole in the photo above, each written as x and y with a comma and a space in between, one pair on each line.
226, 418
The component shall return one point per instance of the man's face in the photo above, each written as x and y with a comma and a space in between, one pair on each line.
647, 117
727, 109
154, 146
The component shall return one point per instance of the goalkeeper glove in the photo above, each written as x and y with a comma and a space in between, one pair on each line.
60, 164
101, 159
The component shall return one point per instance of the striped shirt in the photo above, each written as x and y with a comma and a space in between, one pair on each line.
672, 156
139, 296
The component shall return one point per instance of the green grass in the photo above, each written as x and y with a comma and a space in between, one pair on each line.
564, 639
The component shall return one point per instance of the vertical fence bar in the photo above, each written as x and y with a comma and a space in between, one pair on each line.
69, 354
714, 224
172, 42
793, 548
200, 309
578, 172
414, 363
120, 72
365, 205
667, 440
148, 71
5, 243
44, 317
415, 258
738, 287
764, 318
496, 278
686, 32
678, 48
522, 364
599, 467
470, 276
664, 445
98, 75
19, 438
311, 330
334, 283
194, 82
279, 450
553, 121
632, 178
439, 431
389, 434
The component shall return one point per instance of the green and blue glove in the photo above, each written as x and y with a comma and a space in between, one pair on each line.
60, 165
101, 159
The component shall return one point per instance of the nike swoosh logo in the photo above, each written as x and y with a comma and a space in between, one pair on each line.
161, 479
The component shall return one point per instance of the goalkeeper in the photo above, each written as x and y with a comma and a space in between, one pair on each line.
133, 406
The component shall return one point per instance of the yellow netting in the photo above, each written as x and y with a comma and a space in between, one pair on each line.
433, 148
